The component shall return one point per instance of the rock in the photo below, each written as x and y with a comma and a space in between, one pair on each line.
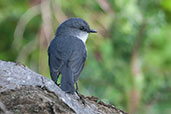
24, 91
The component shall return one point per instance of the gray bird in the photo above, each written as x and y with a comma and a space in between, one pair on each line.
67, 52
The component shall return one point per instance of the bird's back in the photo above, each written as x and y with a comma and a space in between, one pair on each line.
66, 51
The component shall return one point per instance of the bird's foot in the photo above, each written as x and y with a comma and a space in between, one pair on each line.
81, 98
57, 84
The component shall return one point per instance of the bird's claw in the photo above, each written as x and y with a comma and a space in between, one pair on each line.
57, 84
81, 98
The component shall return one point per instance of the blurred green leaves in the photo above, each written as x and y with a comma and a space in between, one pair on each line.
166, 4
135, 78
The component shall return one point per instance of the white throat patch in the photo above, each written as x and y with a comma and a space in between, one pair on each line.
83, 36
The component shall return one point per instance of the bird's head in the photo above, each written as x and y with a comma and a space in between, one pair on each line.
75, 27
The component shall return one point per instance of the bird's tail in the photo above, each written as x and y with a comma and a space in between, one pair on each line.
67, 81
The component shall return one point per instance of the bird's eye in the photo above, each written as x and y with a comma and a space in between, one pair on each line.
82, 28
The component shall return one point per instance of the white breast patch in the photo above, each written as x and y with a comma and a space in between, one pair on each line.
83, 36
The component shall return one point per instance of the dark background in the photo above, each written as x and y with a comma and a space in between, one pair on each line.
129, 60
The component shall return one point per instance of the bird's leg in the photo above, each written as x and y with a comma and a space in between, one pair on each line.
57, 80
81, 98
59, 69
76, 87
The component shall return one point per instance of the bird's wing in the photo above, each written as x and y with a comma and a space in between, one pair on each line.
77, 59
54, 64
59, 51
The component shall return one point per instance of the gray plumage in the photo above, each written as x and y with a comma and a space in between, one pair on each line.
67, 52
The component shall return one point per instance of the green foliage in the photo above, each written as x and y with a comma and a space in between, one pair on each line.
129, 60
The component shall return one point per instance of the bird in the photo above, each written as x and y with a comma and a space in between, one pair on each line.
67, 52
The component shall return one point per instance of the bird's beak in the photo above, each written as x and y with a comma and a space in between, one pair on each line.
92, 31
